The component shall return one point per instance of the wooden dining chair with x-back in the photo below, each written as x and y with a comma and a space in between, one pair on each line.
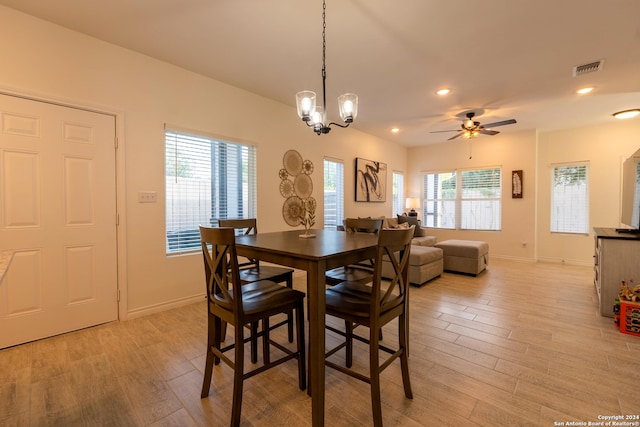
374, 305
252, 271
238, 304
362, 271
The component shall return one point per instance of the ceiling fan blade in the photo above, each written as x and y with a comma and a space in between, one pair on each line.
440, 131
489, 132
455, 136
502, 123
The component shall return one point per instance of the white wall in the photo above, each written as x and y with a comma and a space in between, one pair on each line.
51, 62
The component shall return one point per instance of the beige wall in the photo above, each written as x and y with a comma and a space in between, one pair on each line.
50, 62
53, 63
512, 151
605, 147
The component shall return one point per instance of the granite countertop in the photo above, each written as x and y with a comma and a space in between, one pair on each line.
5, 260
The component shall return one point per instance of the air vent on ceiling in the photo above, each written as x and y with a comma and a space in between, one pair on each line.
588, 68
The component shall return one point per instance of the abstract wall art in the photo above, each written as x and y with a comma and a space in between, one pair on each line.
371, 181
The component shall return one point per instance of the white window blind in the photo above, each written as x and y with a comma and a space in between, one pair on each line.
398, 193
206, 179
333, 193
467, 200
570, 199
439, 200
481, 199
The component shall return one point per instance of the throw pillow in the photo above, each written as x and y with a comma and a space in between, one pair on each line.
417, 232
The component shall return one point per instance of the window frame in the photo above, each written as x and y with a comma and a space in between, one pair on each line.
575, 225
339, 193
447, 190
397, 190
198, 192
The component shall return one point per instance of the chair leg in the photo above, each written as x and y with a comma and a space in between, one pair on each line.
238, 373
254, 342
374, 375
348, 332
266, 355
290, 314
404, 357
302, 376
208, 367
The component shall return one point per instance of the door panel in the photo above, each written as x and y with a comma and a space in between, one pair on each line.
57, 211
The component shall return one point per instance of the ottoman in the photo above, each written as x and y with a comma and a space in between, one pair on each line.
425, 263
465, 256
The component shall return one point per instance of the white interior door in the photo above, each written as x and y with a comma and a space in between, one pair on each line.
58, 213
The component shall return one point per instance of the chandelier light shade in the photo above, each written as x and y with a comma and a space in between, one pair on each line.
314, 115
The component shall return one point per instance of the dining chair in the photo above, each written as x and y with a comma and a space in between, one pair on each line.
239, 304
252, 271
373, 305
362, 271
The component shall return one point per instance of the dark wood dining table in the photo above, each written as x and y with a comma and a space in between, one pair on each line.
328, 250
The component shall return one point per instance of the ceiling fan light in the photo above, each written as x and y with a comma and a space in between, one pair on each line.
348, 105
627, 114
306, 103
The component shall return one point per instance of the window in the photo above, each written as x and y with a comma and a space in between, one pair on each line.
333, 193
570, 199
467, 200
206, 179
398, 193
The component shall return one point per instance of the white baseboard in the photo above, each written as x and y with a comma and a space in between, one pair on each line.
156, 308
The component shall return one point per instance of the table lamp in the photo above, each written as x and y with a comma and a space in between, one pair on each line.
412, 203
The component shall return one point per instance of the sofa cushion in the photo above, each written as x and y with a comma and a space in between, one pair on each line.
411, 220
424, 240
421, 255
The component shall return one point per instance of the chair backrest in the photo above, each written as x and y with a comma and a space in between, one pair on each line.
221, 271
394, 245
363, 225
249, 226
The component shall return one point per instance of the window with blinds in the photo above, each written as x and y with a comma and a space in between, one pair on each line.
206, 179
481, 199
465, 200
570, 199
397, 184
333, 193
439, 200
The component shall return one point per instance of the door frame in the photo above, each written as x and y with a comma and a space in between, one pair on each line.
121, 216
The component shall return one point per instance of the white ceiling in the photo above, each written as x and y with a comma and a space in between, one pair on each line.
510, 58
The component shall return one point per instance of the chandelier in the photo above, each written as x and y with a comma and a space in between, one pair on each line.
315, 116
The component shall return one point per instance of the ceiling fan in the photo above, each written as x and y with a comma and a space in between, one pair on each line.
471, 128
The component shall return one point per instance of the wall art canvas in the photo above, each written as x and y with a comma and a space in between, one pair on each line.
371, 181
516, 184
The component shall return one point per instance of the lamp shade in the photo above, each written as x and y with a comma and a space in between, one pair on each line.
348, 104
306, 103
412, 203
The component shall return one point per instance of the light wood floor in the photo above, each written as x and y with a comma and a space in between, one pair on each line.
519, 345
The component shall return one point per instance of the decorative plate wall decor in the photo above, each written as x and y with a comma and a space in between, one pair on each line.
296, 186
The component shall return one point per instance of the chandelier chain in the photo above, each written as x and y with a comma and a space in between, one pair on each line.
324, 49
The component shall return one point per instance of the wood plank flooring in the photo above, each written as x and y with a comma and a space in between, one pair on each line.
519, 345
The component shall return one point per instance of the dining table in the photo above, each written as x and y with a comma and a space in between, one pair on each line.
316, 255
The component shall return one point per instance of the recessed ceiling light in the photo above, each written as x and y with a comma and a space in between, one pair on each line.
584, 90
442, 92
627, 114
395, 130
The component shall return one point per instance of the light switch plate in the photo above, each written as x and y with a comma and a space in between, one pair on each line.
147, 197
